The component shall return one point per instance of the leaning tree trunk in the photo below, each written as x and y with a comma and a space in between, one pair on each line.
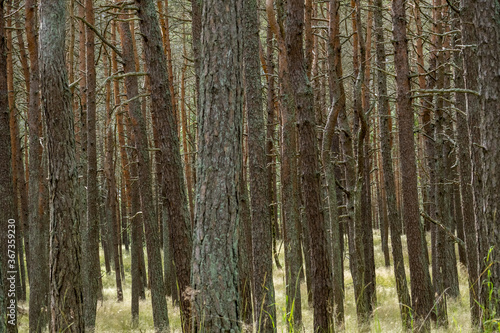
215, 258
65, 242
173, 188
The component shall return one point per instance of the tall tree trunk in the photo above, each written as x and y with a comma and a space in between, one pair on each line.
262, 246
310, 173
288, 180
419, 275
136, 223
173, 186
65, 242
389, 182
91, 263
467, 156
440, 261
272, 151
39, 255
215, 256
487, 19
111, 197
7, 195
337, 94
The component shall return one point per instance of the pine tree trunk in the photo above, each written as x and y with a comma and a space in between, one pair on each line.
487, 18
388, 172
263, 288
288, 180
65, 242
91, 263
215, 258
7, 196
38, 222
467, 156
173, 187
321, 279
419, 275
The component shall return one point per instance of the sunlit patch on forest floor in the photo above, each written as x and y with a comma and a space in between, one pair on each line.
115, 317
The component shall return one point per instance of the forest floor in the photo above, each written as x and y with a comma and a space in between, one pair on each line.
115, 317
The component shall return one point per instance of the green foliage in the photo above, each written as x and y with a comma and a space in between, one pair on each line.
491, 320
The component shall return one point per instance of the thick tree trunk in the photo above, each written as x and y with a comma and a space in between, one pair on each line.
215, 258
38, 222
262, 246
419, 275
487, 19
65, 242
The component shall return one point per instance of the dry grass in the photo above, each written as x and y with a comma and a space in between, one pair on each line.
115, 317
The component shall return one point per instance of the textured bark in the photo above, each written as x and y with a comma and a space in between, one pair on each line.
442, 209
466, 203
7, 196
366, 199
188, 172
362, 278
18, 180
196, 7
139, 130
215, 257
310, 173
91, 263
487, 19
328, 154
245, 271
65, 243
263, 288
38, 222
172, 187
272, 151
289, 182
389, 182
18, 175
110, 174
421, 300
466, 158
136, 224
